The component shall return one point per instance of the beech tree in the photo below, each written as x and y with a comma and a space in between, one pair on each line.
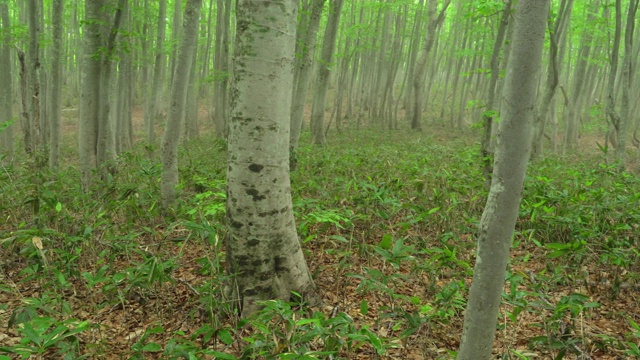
6, 91
179, 90
263, 249
503, 203
324, 70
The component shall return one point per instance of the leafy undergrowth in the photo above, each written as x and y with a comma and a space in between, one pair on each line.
387, 222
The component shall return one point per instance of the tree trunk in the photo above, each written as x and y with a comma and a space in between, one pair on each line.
556, 34
178, 98
324, 65
421, 65
263, 249
503, 203
221, 68
90, 93
491, 109
627, 78
33, 71
305, 64
55, 101
158, 74
6, 91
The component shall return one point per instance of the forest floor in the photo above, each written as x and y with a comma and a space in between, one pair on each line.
387, 221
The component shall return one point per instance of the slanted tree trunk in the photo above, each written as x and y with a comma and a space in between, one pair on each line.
324, 70
306, 45
499, 217
6, 90
178, 98
421, 65
55, 100
556, 34
263, 249
491, 109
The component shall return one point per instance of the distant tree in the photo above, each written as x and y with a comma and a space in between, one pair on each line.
324, 70
95, 131
264, 254
157, 88
433, 22
178, 99
503, 203
221, 68
305, 46
55, 97
6, 90
32, 129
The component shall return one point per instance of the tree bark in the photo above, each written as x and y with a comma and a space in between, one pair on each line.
179, 89
263, 250
6, 91
33, 71
55, 101
159, 70
627, 78
556, 34
503, 203
304, 66
221, 68
324, 70
491, 110
421, 65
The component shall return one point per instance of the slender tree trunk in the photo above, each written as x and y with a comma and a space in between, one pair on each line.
613, 117
491, 110
263, 249
421, 65
178, 98
221, 68
503, 203
33, 72
307, 45
627, 78
556, 34
90, 95
6, 91
324, 65
574, 111
55, 100
158, 74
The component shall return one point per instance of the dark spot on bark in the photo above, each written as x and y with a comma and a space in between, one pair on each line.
268, 213
241, 261
255, 194
253, 242
284, 210
279, 264
256, 168
275, 180
236, 225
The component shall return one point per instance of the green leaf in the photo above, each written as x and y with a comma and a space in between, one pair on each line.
225, 336
152, 347
386, 241
364, 307
58, 206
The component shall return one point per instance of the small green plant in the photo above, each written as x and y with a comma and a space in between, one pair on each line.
41, 334
281, 332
